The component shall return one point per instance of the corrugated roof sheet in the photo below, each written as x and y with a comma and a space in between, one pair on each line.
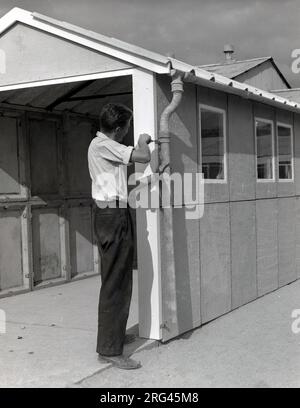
291, 94
236, 68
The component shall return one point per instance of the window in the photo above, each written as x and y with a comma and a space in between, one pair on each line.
264, 149
285, 152
212, 125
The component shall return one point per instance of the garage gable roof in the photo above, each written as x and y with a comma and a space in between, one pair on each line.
140, 57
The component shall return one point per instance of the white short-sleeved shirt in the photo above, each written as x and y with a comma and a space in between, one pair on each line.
107, 161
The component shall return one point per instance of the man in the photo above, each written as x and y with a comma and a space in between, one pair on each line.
108, 158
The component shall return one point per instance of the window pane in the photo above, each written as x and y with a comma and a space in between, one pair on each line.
212, 144
264, 149
285, 152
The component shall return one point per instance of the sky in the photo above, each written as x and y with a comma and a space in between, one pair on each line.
195, 30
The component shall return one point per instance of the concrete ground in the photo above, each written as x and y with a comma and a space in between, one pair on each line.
50, 342
51, 334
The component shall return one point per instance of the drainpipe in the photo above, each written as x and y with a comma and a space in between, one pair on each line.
169, 302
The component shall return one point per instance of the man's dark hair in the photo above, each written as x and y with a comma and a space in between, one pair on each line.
114, 115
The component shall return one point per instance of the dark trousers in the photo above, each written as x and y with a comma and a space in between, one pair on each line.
114, 234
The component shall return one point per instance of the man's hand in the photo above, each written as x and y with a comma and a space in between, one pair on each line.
141, 153
144, 139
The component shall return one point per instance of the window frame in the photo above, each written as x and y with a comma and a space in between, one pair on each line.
271, 122
286, 125
223, 112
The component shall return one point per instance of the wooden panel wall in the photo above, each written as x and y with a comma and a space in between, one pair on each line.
187, 264
79, 134
267, 245
243, 252
287, 240
9, 161
241, 149
81, 240
46, 244
44, 157
246, 233
215, 261
11, 268
181, 310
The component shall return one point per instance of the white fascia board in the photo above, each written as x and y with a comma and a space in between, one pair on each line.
58, 29
11, 18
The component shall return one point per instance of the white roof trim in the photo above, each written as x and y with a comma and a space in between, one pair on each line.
140, 57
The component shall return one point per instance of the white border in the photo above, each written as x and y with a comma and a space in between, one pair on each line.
286, 125
224, 113
269, 121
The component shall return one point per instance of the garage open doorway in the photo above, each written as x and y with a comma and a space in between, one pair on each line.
46, 208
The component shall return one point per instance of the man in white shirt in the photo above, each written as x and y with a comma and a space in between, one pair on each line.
108, 158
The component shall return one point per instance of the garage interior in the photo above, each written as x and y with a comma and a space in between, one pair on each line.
46, 208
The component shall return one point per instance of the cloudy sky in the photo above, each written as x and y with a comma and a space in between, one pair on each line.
195, 30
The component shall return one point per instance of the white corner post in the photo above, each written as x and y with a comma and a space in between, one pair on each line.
148, 225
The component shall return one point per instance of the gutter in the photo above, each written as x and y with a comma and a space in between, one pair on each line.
199, 76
